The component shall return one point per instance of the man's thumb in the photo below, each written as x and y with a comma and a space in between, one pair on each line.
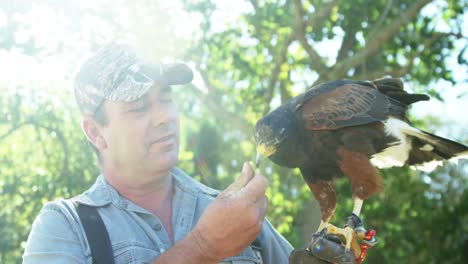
245, 176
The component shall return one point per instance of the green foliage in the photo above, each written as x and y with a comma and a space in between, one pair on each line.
269, 53
42, 156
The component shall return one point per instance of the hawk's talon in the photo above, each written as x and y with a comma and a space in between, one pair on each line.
323, 232
348, 233
357, 239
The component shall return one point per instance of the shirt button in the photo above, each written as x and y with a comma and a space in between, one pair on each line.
157, 227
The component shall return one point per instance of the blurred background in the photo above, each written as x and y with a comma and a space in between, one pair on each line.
249, 57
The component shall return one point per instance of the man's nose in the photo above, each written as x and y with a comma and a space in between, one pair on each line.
160, 115
165, 128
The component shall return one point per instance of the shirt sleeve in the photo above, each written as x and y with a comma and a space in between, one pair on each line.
55, 237
275, 248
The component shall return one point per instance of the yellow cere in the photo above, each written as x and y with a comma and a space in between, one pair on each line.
265, 150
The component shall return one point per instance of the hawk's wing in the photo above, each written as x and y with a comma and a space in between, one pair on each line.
345, 103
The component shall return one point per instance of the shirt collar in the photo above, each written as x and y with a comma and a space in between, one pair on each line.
98, 195
102, 193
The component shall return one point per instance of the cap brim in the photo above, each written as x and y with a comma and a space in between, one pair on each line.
137, 83
177, 73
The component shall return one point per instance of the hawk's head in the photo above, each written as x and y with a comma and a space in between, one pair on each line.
271, 131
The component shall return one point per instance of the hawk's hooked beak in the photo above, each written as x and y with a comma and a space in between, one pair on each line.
263, 150
258, 160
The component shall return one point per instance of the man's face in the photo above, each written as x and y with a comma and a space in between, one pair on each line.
143, 135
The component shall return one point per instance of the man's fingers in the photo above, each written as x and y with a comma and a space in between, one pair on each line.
256, 187
245, 176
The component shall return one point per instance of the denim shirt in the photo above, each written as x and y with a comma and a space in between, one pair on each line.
137, 235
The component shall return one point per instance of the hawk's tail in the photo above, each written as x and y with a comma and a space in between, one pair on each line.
420, 149
393, 88
428, 150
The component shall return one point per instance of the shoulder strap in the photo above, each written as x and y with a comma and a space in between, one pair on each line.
257, 249
96, 233
256, 244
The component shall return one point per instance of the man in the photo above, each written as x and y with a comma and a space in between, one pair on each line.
153, 211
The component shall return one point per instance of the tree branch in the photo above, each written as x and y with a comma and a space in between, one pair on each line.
321, 14
254, 5
58, 133
64, 144
276, 71
257, 23
300, 26
346, 45
382, 18
219, 112
285, 96
206, 80
406, 68
375, 43
379, 74
11, 130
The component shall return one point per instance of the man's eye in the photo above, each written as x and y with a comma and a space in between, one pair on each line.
140, 109
165, 98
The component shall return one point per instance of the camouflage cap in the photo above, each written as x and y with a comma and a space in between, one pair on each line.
116, 73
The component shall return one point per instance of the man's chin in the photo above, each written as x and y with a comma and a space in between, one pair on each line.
164, 162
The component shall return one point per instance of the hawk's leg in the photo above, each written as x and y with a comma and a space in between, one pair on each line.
365, 180
326, 197
357, 206
353, 230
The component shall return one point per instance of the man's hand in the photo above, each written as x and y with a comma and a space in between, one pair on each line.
234, 219
323, 249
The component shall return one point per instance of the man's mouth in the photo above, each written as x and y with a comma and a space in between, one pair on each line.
167, 139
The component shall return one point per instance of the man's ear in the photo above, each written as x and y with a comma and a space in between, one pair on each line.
93, 132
